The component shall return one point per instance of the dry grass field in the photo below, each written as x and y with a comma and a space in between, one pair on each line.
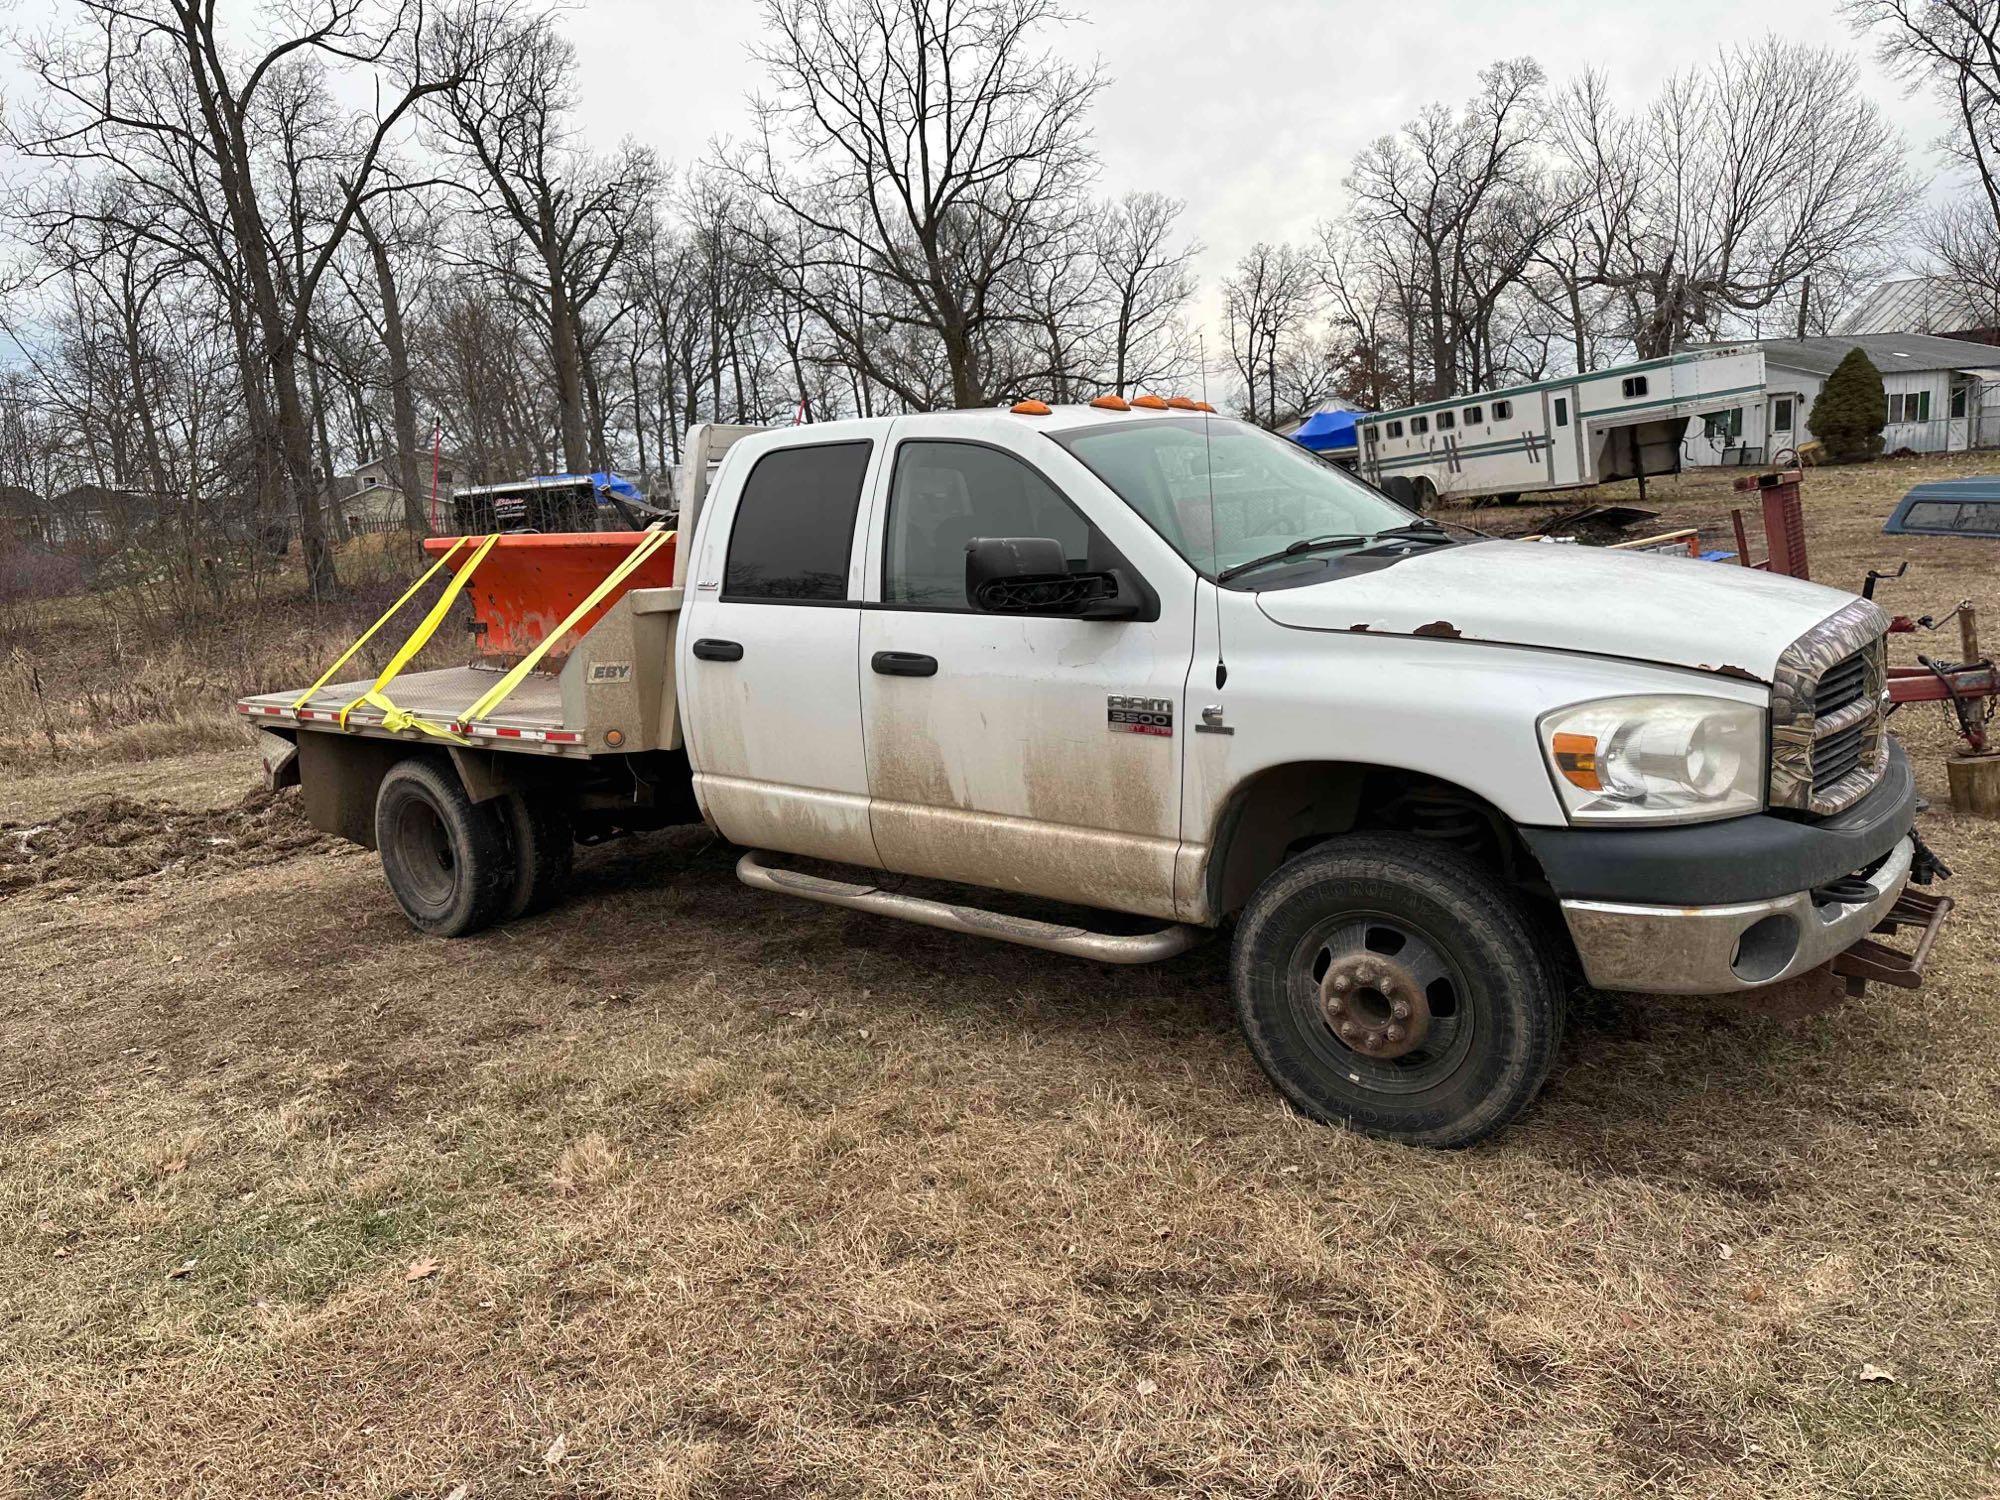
680, 1190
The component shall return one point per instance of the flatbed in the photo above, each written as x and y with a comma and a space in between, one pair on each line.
531, 716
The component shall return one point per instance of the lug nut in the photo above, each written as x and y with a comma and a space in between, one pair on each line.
1402, 1010
1374, 1038
1343, 984
1348, 1028
1397, 1033
1336, 1005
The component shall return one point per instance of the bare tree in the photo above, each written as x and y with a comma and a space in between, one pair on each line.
933, 150
1741, 180
139, 78
1148, 277
1267, 307
1954, 47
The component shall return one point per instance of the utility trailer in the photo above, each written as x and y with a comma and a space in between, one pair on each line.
1628, 422
1134, 658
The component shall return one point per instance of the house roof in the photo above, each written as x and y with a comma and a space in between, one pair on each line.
1889, 352
1922, 303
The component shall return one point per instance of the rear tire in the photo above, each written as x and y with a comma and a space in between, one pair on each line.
447, 859
544, 847
1465, 1024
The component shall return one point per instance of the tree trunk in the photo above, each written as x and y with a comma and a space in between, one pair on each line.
566, 356
402, 403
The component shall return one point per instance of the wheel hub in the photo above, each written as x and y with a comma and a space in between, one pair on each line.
1374, 1005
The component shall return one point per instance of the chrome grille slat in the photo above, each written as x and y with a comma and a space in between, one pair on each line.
1829, 746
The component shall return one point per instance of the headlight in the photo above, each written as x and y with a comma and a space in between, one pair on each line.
1657, 758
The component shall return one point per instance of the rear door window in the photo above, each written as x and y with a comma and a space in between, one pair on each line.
794, 528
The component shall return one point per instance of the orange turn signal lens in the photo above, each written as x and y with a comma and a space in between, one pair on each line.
1576, 758
1203, 406
1183, 403
1111, 403
1030, 408
1151, 403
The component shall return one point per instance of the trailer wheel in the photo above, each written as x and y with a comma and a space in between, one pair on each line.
447, 860
1399, 489
1396, 987
1423, 495
544, 846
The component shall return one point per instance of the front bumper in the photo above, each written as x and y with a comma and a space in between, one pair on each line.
1702, 950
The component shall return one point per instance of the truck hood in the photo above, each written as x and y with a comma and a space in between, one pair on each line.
1713, 617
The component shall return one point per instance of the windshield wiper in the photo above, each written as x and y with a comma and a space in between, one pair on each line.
1299, 548
1415, 531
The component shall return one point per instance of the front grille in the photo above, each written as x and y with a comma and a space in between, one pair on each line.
1829, 747
1840, 685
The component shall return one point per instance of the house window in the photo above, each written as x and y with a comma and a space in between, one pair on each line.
1723, 426
1959, 400
1446, 421
1419, 426
1781, 414
1562, 411
1910, 406
1502, 410
1395, 429
1474, 415
1635, 385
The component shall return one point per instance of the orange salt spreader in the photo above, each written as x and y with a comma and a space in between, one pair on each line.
530, 582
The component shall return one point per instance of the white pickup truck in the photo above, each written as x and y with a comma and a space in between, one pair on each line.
1151, 661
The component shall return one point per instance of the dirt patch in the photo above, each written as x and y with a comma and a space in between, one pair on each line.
113, 839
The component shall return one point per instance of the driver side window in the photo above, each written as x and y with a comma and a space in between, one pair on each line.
946, 493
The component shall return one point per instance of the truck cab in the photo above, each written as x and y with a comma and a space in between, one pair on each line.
1144, 659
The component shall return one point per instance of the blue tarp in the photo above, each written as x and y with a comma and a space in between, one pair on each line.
605, 483
1328, 429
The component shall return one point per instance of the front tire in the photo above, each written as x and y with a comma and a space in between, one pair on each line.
1394, 986
447, 860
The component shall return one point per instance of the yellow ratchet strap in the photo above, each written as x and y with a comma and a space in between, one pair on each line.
651, 542
394, 718
369, 634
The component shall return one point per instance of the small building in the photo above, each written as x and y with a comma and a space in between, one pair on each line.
24, 515
372, 491
1944, 397
1941, 306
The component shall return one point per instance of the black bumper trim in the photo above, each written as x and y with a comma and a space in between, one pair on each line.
1737, 859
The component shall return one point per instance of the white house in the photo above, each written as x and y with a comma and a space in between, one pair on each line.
373, 494
1944, 397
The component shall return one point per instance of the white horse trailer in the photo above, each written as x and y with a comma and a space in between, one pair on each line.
1621, 423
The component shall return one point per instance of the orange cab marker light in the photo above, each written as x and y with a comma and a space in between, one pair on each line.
1576, 758
1151, 403
1111, 403
1182, 403
1203, 406
1030, 408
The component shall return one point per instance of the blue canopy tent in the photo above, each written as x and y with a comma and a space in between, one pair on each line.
1324, 431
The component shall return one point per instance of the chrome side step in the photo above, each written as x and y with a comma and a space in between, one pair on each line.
1108, 948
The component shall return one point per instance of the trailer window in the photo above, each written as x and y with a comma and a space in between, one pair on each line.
1395, 429
1723, 426
1446, 421
944, 495
1562, 411
1474, 415
1634, 385
794, 527
1420, 425
1502, 410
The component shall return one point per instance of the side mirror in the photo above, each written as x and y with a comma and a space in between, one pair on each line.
1028, 575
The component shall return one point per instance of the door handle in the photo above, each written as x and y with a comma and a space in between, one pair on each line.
904, 664
710, 649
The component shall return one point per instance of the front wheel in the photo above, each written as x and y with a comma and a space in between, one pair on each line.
1395, 986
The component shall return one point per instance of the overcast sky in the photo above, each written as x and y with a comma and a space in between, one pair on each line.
1250, 110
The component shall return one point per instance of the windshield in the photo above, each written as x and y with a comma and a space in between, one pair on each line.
1224, 493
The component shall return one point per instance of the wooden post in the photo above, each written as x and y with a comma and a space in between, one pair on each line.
1975, 784
1968, 632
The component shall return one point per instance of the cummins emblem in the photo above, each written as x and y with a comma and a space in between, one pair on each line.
1139, 715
